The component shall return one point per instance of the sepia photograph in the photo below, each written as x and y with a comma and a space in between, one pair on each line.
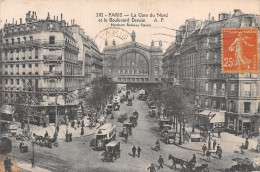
129, 85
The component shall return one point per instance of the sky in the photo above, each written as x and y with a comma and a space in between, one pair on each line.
85, 14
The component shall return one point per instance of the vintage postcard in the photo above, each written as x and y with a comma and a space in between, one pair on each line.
129, 85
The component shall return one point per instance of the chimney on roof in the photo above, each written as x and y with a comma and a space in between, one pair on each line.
57, 18
71, 22
33, 15
61, 17
15, 22
21, 21
237, 12
54, 17
209, 17
212, 19
48, 17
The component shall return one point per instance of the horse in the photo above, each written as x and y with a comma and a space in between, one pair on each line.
177, 161
38, 138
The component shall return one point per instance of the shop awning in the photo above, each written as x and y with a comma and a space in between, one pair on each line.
219, 117
204, 112
246, 120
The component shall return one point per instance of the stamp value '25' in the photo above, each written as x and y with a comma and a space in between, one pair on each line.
240, 50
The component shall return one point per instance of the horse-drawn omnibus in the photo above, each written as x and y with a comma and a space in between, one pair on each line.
105, 134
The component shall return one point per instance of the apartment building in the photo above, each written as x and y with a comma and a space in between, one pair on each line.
45, 54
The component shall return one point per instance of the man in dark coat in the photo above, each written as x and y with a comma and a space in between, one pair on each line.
208, 154
133, 151
214, 144
219, 134
82, 131
46, 134
204, 148
139, 151
246, 143
160, 161
151, 168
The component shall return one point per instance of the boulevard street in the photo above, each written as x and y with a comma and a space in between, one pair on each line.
78, 155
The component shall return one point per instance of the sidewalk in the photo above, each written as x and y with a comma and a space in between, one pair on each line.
228, 142
39, 130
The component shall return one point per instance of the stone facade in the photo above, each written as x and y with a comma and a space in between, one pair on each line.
133, 62
89, 54
44, 53
234, 95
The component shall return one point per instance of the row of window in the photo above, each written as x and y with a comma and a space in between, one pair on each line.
23, 65
22, 73
232, 105
19, 40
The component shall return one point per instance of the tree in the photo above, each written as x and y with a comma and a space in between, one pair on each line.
181, 106
102, 89
25, 103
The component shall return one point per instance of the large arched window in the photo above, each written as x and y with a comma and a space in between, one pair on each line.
132, 64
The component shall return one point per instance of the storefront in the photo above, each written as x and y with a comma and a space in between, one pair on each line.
242, 124
210, 119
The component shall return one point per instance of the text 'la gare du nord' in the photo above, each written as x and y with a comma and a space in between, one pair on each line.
116, 17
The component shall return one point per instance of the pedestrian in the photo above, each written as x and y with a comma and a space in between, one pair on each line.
219, 134
151, 168
250, 134
139, 151
204, 148
214, 144
58, 128
133, 151
208, 154
82, 131
83, 124
55, 135
78, 123
160, 161
218, 147
246, 143
242, 148
8, 164
126, 137
46, 134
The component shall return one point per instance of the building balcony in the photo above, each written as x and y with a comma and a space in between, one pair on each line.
95, 62
54, 73
52, 90
217, 76
96, 71
212, 61
49, 58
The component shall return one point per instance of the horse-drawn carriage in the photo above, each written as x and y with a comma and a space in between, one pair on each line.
162, 121
127, 129
133, 120
165, 129
122, 117
122, 99
170, 137
243, 165
130, 103
45, 141
188, 166
112, 151
116, 106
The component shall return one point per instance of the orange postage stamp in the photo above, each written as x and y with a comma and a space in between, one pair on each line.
240, 50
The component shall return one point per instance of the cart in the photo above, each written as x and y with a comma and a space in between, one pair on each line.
112, 151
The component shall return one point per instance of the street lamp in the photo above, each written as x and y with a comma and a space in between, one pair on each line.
33, 165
